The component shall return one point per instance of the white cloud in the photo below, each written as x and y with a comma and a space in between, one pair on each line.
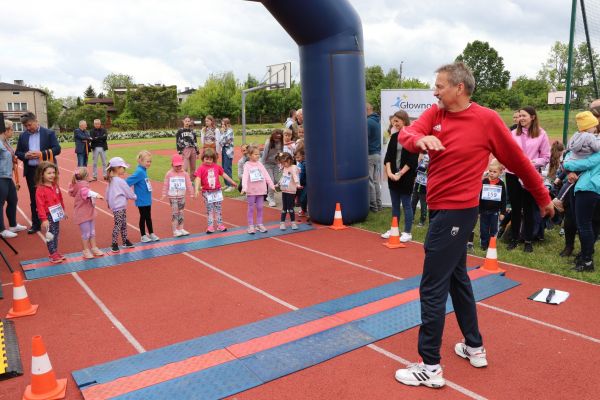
67, 46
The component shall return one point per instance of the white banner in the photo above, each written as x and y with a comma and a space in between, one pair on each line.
414, 102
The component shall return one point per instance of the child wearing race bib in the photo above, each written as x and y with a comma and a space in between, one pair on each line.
492, 203
207, 179
177, 183
50, 206
255, 180
117, 194
289, 182
419, 194
85, 212
143, 190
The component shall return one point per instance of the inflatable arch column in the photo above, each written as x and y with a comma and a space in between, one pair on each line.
329, 37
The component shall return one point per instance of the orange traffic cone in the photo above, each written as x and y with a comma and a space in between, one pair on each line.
44, 385
338, 223
394, 239
21, 304
491, 258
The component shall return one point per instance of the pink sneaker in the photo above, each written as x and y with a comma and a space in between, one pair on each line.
210, 229
55, 258
221, 228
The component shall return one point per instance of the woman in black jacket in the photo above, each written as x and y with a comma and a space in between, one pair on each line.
401, 169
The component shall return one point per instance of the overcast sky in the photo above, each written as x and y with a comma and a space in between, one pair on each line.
67, 45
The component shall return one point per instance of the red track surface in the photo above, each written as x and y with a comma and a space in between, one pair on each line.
535, 350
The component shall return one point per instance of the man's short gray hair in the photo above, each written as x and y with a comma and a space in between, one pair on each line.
97, 120
8, 124
28, 117
459, 72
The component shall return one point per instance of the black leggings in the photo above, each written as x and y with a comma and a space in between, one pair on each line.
8, 195
520, 201
145, 220
288, 205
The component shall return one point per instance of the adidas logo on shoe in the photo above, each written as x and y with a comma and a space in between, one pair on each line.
417, 374
477, 359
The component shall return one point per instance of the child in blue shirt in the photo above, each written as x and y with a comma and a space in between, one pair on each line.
142, 188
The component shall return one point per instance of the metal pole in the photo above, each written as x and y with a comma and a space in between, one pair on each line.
401, 63
569, 71
243, 117
589, 46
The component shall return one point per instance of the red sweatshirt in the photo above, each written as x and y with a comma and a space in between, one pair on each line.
469, 136
45, 197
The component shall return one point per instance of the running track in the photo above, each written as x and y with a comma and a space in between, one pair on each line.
535, 350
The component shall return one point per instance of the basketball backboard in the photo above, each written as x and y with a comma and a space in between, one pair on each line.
279, 76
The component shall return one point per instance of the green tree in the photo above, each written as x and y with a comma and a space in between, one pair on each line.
373, 76
487, 66
69, 120
153, 106
219, 96
113, 81
89, 92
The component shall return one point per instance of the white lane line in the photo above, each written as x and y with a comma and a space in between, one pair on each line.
378, 349
537, 321
132, 340
451, 384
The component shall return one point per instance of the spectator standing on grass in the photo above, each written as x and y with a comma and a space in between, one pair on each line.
374, 142
82, 144
36, 144
534, 143
210, 134
227, 150
401, 169
187, 145
8, 188
99, 138
459, 135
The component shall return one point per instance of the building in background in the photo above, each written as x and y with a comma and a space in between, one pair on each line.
182, 96
16, 99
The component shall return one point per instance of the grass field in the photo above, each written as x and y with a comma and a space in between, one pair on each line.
545, 256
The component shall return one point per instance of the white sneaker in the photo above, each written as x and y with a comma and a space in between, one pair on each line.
294, 226
405, 237
272, 203
184, 232
6, 234
17, 228
228, 189
477, 359
386, 235
417, 374
145, 239
282, 226
154, 237
177, 233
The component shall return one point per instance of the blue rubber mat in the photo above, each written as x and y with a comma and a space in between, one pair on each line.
242, 374
146, 250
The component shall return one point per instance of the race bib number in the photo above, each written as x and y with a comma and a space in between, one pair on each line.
148, 184
255, 175
421, 178
214, 197
285, 181
56, 212
176, 184
491, 192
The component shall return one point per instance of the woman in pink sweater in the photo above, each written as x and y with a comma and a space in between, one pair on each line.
255, 181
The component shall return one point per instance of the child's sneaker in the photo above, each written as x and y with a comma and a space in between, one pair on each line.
62, 257
177, 233
221, 228
476, 358
114, 248
154, 237
97, 252
417, 374
184, 232
301, 213
251, 229
87, 254
261, 228
55, 258
294, 226
282, 226
145, 239
210, 230
128, 244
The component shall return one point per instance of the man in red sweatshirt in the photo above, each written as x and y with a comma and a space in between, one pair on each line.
459, 136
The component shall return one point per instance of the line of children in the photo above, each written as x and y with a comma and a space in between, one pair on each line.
255, 182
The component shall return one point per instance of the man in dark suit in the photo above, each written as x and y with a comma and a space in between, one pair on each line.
36, 144
82, 144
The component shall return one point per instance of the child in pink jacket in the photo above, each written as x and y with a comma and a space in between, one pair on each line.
255, 181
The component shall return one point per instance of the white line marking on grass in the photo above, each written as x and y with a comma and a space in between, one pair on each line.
132, 340
537, 321
451, 384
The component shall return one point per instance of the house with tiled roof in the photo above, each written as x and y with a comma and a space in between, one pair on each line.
16, 99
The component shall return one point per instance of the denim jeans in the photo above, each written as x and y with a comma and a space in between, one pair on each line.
488, 226
374, 181
585, 205
405, 199
226, 161
82, 159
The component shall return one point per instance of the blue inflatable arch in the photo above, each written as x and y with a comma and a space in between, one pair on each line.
329, 37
